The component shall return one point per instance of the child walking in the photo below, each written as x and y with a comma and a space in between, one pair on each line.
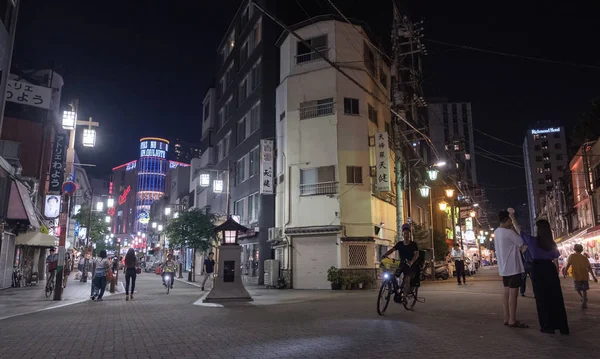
581, 267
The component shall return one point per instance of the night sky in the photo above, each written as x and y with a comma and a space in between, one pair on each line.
141, 68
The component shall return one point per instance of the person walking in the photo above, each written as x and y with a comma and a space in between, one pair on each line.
544, 277
131, 265
209, 268
101, 266
459, 263
581, 267
510, 266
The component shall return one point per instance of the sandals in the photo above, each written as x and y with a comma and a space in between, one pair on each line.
517, 324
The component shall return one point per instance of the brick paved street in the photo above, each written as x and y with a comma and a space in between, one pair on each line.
454, 322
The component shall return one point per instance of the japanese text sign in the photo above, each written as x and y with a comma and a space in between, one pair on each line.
28, 94
266, 166
382, 162
57, 162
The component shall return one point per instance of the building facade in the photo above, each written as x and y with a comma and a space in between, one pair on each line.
545, 159
332, 208
237, 115
9, 11
184, 151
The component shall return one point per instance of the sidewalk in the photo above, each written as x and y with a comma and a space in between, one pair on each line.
19, 301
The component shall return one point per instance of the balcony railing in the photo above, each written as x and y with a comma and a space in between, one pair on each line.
312, 57
322, 109
318, 189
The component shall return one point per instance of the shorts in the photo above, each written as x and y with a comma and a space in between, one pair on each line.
512, 281
582, 285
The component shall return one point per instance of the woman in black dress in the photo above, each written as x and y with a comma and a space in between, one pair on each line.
544, 277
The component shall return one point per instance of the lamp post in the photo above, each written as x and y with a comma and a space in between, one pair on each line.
450, 194
70, 123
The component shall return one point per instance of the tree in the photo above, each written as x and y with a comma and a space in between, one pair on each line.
421, 236
192, 229
99, 228
441, 247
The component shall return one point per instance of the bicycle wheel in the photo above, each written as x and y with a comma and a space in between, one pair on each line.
383, 300
49, 290
409, 303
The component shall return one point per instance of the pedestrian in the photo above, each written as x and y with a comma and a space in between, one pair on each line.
581, 267
101, 266
510, 266
209, 268
527, 264
544, 277
459, 263
131, 265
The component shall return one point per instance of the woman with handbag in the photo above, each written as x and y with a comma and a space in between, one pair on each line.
131, 271
101, 274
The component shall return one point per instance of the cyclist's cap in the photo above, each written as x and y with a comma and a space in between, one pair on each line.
51, 249
406, 227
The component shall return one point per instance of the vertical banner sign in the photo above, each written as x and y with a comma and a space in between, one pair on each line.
382, 161
266, 166
57, 162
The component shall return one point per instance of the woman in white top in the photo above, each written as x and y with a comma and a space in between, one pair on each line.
101, 266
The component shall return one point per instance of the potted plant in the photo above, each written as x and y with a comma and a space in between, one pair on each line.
334, 275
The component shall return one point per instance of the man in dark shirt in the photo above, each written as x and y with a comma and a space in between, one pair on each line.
209, 268
409, 253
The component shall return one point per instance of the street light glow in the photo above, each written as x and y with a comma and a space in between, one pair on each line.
107, 219
176, 215
160, 227
154, 224
443, 205
449, 192
99, 206
167, 211
110, 203
204, 180
472, 214
440, 164
218, 186
89, 137
432, 173
68, 120
424, 191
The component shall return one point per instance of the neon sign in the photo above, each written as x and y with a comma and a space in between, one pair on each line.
111, 211
545, 130
153, 149
131, 166
144, 217
123, 197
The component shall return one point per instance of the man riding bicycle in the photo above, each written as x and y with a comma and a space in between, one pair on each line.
170, 266
51, 264
409, 254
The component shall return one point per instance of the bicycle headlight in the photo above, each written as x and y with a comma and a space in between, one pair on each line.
386, 275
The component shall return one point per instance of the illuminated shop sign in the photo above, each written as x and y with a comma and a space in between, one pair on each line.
545, 130
144, 217
153, 149
131, 166
123, 196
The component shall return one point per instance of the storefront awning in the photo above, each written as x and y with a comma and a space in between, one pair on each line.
36, 239
20, 206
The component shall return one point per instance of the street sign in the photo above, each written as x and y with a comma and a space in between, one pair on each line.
69, 187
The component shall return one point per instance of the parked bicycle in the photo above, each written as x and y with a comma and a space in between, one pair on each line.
392, 284
17, 277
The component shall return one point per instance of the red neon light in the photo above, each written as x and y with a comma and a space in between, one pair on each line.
123, 197
180, 163
110, 188
111, 211
123, 165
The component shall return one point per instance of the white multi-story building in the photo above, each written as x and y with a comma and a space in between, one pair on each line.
327, 211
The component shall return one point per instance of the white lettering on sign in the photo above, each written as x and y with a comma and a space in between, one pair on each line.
150, 152
266, 166
545, 130
382, 162
131, 166
28, 94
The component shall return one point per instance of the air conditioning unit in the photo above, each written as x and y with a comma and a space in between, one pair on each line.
271, 272
275, 234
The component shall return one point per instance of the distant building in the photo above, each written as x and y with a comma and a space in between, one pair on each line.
545, 159
184, 151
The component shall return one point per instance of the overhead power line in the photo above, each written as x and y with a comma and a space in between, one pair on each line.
531, 58
496, 138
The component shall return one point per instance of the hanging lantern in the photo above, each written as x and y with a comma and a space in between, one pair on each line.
424, 191
449, 192
443, 205
432, 173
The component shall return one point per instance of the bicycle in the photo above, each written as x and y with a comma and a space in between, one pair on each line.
50, 284
168, 278
393, 284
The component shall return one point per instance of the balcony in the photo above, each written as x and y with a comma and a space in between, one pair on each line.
317, 110
311, 57
318, 189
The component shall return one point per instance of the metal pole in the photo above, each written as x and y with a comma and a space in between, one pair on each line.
453, 227
432, 235
87, 237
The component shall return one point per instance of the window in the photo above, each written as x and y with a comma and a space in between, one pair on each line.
388, 128
318, 181
354, 175
560, 168
316, 108
383, 78
222, 86
255, 118
240, 170
254, 159
559, 157
547, 165
239, 208
243, 91
540, 170
229, 75
357, 255
548, 188
229, 108
227, 47
369, 58
372, 113
221, 118
546, 156
206, 111
538, 158
246, 16
351, 106
247, 208
227, 143
244, 53
541, 181
544, 145
557, 146
538, 147
305, 55
536, 137
253, 202
241, 131
255, 75
556, 134
467, 156
255, 37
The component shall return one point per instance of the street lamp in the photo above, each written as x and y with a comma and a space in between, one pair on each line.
449, 192
110, 203
167, 211
68, 120
440, 164
218, 186
472, 214
107, 219
432, 173
89, 137
160, 227
443, 206
99, 206
154, 224
424, 191
204, 180
176, 215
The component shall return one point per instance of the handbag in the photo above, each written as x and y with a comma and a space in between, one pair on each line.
109, 275
138, 270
